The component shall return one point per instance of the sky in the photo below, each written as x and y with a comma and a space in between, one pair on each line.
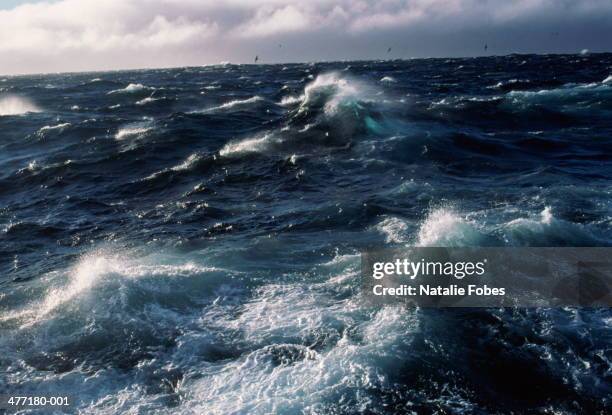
87, 35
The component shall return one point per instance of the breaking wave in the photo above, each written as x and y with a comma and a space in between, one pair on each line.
234, 103
130, 88
57, 127
332, 110
14, 105
249, 145
163, 259
133, 130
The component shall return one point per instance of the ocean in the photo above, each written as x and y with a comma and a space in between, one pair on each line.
186, 241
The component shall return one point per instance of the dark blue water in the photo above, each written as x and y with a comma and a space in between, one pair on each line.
187, 240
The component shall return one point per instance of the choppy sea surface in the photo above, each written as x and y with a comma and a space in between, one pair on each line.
187, 240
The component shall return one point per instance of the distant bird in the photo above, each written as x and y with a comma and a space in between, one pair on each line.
486, 47
388, 50
280, 45
256, 58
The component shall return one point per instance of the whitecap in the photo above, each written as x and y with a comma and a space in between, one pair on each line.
54, 127
608, 80
394, 229
254, 383
445, 227
130, 89
335, 89
14, 105
188, 163
234, 103
290, 100
546, 229
132, 130
388, 79
250, 145
146, 100
32, 166
101, 268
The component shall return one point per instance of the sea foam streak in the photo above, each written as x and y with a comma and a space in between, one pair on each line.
249, 145
234, 103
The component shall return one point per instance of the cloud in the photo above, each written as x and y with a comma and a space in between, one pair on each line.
83, 25
270, 21
92, 34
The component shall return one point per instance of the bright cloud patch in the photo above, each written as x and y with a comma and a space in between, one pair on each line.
111, 34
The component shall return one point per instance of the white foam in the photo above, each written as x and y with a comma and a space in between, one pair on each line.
546, 216
146, 100
14, 105
572, 93
53, 127
290, 100
188, 163
249, 145
388, 79
445, 227
99, 267
133, 130
235, 103
394, 229
608, 80
108, 297
256, 384
335, 88
130, 89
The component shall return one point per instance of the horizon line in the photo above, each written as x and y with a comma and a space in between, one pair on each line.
584, 52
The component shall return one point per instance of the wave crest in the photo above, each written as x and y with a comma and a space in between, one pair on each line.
234, 103
15, 105
249, 145
445, 227
333, 91
133, 130
134, 87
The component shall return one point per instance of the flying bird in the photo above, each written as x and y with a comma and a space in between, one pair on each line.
256, 58
388, 50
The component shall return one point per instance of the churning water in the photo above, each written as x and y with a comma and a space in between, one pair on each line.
186, 240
